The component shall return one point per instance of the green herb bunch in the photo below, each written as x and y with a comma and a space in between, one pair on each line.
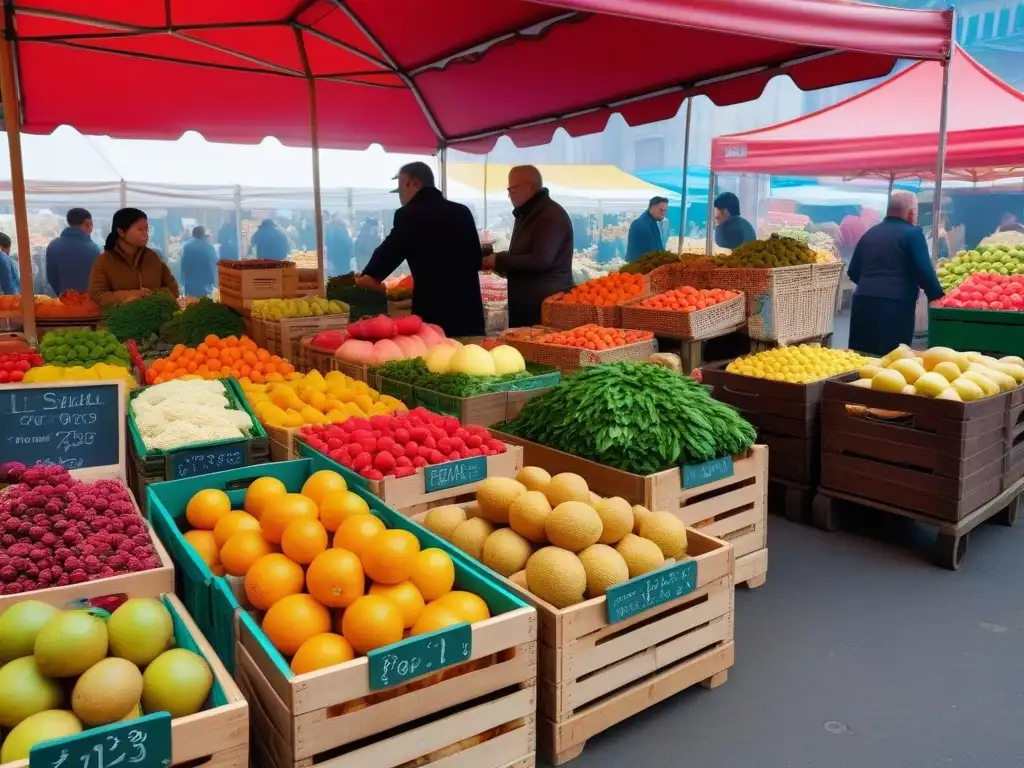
141, 318
205, 317
636, 417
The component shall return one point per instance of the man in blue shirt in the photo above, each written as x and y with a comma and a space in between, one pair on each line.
69, 257
889, 266
198, 265
731, 229
645, 231
269, 241
9, 282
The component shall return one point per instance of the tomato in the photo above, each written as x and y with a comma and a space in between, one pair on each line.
4, 377
17, 376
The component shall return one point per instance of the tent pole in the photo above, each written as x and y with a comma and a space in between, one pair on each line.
238, 221
940, 164
442, 167
486, 158
124, 194
892, 182
314, 136
12, 124
686, 170
711, 213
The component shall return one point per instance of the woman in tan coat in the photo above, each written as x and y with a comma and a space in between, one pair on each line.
127, 269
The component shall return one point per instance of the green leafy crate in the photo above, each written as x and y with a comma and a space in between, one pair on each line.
991, 331
213, 600
151, 466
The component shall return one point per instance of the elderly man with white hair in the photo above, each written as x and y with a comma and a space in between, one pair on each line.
890, 265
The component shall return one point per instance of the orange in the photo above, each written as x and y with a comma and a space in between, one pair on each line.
336, 508
232, 523
293, 620
434, 617
388, 557
406, 598
303, 540
205, 545
433, 573
323, 483
281, 511
371, 622
335, 578
466, 605
272, 578
356, 533
260, 492
206, 508
324, 650
242, 550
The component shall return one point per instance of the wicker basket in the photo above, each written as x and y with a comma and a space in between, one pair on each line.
557, 314
571, 359
689, 326
670, 276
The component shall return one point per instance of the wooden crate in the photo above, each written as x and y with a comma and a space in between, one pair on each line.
313, 358
940, 458
217, 737
571, 359
282, 442
283, 337
239, 287
734, 509
408, 495
479, 713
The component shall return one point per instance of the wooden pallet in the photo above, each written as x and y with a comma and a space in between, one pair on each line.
951, 542
478, 714
734, 509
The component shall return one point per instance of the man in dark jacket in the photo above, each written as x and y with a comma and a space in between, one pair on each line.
645, 231
227, 236
198, 265
339, 246
438, 239
69, 257
538, 262
889, 266
731, 229
269, 241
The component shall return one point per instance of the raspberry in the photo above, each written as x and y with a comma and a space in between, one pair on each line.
48, 539
72, 564
19, 550
106, 572
63, 580
141, 539
61, 525
133, 529
115, 524
92, 564
32, 572
12, 589
117, 562
71, 537
79, 576
116, 539
134, 564
24, 528
46, 576
37, 554
8, 574
20, 563
37, 532
126, 546
4, 560
53, 506
87, 549
150, 562
121, 508
62, 488
100, 505
88, 501
11, 524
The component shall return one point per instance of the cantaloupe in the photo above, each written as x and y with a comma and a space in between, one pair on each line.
556, 576
668, 532
471, 535
528, 514
640, 514
519, 579
641, 555
534, 478
495, 495
444, 520
567, 486
616, 518
573, 525
604, 567
506, 552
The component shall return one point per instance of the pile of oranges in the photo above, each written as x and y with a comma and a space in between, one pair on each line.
606, 291
688, 299
333, 580
595, 337
217, 358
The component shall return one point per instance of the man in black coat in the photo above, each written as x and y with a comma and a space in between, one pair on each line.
438, 239
538, 262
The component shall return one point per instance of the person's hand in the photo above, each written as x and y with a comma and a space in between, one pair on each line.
487, 265
370, 283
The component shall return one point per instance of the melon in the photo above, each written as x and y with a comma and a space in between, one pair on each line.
355, 351
668, 532
641, 555
604, 568
556, 576
573, 525
495, 496
567, 486
528, 514
616, 519
107, 691
472, 360
471, 535
42, 726
19, 625
385, 351
506, 552
26, 691
507, 360
444, 520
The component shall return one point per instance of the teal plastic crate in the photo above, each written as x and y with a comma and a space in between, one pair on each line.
987, 331
213, 595
183, 639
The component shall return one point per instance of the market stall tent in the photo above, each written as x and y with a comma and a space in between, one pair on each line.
891, 131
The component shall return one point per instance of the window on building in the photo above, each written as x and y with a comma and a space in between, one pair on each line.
1004, 23
649, 153
988, 28
1018, 18
972, 30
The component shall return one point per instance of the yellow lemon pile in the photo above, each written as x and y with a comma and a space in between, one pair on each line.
801, 364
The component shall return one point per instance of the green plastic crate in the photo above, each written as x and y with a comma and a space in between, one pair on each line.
988, 331
213, 594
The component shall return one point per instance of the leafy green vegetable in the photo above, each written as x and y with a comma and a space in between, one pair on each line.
205, 317
141, 318
414, 371
637, 417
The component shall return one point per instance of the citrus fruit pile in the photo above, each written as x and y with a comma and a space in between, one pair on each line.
333, 580
606, 291
595, 337
557, 539
802, 364
217, 358
688, 299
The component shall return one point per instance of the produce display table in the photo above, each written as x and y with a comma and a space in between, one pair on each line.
989, 331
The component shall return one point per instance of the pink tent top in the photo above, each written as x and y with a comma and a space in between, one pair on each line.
893, 129
415, 75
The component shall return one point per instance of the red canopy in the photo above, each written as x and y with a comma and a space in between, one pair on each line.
415, 75
893, 129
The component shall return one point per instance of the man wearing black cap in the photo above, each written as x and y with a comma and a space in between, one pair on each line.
438, 239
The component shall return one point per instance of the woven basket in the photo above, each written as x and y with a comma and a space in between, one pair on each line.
671, 276
556, 314
688, 326
571, 359
794, 306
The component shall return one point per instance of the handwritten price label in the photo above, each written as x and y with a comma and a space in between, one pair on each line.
141, 743
440, 477
202, 461
695, 475
650, 590
395, 664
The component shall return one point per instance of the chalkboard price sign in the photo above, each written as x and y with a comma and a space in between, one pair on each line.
202, 461
75, 426
439, 477
696, 475
652, 589
141, 743
415, 656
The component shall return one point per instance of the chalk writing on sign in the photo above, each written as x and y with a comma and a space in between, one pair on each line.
420, 655
650, 590
439, 477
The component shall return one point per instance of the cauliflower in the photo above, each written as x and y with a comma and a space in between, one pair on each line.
186, 412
